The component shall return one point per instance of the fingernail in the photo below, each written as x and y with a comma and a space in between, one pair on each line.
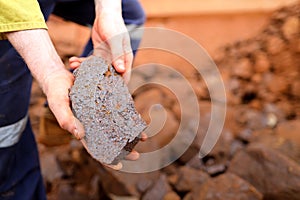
120, 65
75, 133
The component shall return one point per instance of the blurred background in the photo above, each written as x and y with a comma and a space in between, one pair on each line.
256, 46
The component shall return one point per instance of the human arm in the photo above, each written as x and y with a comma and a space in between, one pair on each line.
46, 66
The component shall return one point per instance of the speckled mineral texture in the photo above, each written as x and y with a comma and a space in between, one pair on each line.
101, 101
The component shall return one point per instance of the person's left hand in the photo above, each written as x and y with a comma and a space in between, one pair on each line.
112, 42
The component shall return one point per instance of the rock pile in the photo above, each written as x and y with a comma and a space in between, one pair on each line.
257, 156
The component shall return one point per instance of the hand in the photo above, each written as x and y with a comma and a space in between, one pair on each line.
111, 39
56, 87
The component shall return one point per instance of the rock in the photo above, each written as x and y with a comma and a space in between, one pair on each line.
226, 186
273, 174
236, 146
286, 64
49, 167
126, 184
102, 103
296, 89
243, 69
289, 130
161, 130
216, 169
295, 45
269, 138
195, 162
146, 99
67, 192
247, 46
171, 196
277, 85
144, 184
188, 178
200, 89
274, 45
205, 117
136, 81
286, 110
168, 131
256, 78
262, 63
116, 197
159, 190
252, 119
291, 27
216, 161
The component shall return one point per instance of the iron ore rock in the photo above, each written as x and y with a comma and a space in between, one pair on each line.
101, 101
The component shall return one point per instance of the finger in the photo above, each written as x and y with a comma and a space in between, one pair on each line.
116, 45
124, 63
128, 59
115, 167
143, 137
65, 117
75, 61
102, 50
119, 65
74, 65
133, 155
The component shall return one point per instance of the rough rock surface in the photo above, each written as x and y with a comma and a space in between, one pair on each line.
225, 187
272, 173
189, 178
102, 102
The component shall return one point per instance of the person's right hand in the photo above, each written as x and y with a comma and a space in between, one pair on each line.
56, 87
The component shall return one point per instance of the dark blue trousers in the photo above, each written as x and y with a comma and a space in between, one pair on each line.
20, 176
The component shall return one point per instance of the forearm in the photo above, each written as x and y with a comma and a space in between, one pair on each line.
38, 52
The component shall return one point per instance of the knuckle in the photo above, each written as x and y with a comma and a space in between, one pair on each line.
63, 123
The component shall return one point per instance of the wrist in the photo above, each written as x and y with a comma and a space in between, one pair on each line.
39, 55
108, 6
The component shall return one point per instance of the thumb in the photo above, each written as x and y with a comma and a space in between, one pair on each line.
119, 65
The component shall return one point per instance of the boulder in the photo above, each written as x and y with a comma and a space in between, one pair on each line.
243, 69
160, 189
188, 178
225, 187
275, 175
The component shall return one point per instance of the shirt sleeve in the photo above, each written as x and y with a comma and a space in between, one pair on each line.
17, 15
